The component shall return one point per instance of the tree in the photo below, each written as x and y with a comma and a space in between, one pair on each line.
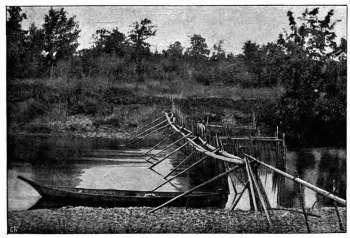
252, 57
199, 48
60, 36
138, 35
15, 41
34, 47
314, 105
218, 52
110, 41
175, 49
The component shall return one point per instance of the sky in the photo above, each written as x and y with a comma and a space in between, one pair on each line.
232, 24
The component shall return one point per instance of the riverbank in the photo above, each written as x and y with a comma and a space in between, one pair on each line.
169, 220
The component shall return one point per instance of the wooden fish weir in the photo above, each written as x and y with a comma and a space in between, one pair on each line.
237, 157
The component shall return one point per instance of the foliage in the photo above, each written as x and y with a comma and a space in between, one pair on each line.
15, 40
307, 62
111, 42
60, 36
199, 48
313, 109
138, 35
174, 50
218, 52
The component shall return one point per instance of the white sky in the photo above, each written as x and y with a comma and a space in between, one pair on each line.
233, 24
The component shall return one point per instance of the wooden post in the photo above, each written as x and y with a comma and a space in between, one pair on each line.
168, 146
336, 209
151, 128
300, 181
195, 188
162, 141
181, 163
264, 194
259, 194
301, 199
231, 187
240, 196
182, 172
251, 188
171, 153
143, 127
158, 129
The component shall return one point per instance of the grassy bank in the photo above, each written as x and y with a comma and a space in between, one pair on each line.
96, 106
168, 220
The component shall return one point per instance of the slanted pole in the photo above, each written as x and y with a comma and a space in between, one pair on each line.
259, 183
262, 201
239, 196
159, 143
181, 163
151, 128
336, 209
168, 146
143, 127
302, 182
158, 129
195, 188
171, 153
182, 172
301, 199
251, 186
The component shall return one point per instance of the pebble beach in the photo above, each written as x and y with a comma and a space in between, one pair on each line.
170, 220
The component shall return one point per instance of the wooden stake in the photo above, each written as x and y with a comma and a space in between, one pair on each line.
264, 194
302, 182
250, 184
151, 128
143, 136
168, 146
336, 209
143, 127
162, 141
195, 188
302, 206
182, 172
259, 194
181, 163
240, 196
171, 153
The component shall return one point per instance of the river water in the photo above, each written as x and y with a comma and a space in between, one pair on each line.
108, 164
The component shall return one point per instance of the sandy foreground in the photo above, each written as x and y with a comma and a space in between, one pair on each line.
169, 220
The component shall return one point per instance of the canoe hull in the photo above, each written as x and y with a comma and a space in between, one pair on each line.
123, 198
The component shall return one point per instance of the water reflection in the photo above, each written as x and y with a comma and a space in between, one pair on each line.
86, 163
103, 164
319, 167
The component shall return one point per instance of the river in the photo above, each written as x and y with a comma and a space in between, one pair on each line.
107, 164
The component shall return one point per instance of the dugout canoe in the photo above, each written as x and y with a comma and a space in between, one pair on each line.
123, 198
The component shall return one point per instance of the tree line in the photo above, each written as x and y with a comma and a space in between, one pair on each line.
308, 60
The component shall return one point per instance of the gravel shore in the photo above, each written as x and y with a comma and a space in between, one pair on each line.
169, 220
